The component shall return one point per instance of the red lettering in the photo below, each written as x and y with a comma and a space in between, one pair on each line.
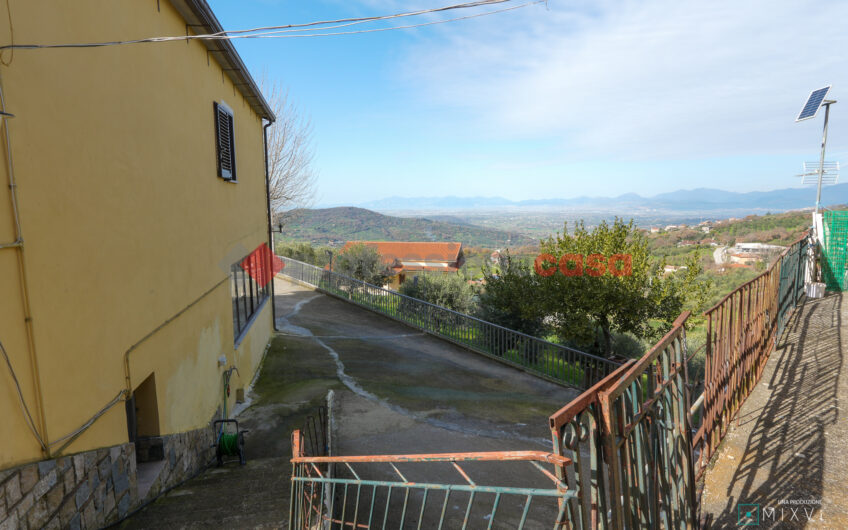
578, 264
541, 260
626, 269
596, 263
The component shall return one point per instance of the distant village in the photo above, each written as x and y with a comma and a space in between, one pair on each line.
737, 256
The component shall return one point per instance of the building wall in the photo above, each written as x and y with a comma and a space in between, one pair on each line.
125, 223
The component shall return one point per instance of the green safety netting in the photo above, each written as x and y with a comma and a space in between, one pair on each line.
835, 250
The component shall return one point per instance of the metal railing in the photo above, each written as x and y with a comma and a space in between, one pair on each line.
553, 362
631, 442
625, 452
742, 330
328, 492
314, 439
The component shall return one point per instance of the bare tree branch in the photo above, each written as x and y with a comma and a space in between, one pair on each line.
290, 152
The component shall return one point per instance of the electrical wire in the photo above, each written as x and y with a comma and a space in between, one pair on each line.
276, 31
361, 20
30, 422
335, 24
274, 35
3, 61
71, 436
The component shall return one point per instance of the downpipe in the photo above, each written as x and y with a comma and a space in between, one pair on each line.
270, 232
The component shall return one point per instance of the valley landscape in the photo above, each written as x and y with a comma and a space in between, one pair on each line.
700, 227
500, 223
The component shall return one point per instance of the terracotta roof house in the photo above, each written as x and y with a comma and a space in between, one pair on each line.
730, 266
407, 258
745, 258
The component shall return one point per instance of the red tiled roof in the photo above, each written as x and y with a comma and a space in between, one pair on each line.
411, 268
392, 251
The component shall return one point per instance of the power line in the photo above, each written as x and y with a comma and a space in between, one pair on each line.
275, 31
362, 21
273, 35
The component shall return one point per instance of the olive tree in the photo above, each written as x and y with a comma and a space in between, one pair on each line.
446, 290
605, 279
362, 262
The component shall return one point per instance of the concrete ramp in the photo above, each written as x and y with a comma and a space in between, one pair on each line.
407, 391
398, 391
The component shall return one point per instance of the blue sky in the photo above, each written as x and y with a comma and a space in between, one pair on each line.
577, 98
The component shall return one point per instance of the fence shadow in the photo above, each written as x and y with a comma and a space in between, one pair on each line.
785, 453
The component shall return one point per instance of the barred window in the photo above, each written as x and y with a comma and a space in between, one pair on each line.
249, 290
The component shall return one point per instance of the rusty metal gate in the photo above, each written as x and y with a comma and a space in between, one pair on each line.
631, 442
622, 459
432, 491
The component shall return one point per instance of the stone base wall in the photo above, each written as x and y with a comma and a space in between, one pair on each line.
184, 454
86, 490
94, 488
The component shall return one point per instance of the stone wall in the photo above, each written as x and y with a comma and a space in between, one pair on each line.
95, 488
86, 490
184, 454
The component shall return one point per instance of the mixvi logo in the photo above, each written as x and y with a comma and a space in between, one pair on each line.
798, 510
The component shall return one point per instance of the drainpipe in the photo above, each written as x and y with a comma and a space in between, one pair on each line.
270, 232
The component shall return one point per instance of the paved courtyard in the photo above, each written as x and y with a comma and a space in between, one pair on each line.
397, 391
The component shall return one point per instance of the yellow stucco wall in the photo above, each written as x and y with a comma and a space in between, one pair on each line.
124, 219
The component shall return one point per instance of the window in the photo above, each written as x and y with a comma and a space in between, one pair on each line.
225, 144
247, 293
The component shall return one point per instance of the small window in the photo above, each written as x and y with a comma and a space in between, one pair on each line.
225, 144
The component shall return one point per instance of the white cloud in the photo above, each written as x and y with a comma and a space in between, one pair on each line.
641, 79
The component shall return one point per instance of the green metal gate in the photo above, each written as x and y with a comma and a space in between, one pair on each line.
630, 440
835, 250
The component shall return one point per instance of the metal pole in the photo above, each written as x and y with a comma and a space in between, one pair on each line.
827, 105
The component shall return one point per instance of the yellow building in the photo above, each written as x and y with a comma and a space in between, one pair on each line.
133, 188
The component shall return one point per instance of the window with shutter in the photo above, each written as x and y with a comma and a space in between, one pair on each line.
225, 142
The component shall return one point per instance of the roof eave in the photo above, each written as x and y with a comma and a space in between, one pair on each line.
197, 13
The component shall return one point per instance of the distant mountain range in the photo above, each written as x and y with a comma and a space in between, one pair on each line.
700, 199
334, 226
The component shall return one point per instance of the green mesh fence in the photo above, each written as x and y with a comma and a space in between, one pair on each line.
835, 250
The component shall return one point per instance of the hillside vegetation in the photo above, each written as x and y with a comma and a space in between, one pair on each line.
664, 247
334, 226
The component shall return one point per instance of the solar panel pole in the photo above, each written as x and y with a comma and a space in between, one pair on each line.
826, 104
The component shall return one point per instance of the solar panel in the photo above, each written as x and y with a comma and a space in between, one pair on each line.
813, 103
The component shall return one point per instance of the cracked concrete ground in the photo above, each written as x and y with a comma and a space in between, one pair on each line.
791, 441
397, 391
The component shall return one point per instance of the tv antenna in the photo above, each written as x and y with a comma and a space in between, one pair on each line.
810, 175
809, 111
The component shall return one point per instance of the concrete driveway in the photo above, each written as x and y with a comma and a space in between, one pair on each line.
397, 391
